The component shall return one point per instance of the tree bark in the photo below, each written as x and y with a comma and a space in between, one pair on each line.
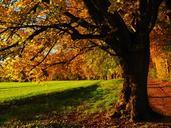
134, 96
137, 83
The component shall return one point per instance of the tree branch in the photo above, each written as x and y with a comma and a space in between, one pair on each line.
80, 21
148, 14
154, 14
96, 9
104, 48
43, 57
82, 51
9, 47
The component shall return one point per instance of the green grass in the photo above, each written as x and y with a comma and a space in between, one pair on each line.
43, 101
13, 91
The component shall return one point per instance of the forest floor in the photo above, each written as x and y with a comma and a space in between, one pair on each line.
90, 106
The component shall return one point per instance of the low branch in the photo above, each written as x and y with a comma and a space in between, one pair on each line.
65, 27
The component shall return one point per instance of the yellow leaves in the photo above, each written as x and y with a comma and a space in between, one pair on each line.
162, 67
119, 1
19, 4
83, 13
42, 13
2, 10
66, 50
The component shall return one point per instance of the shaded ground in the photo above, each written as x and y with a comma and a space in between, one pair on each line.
88, 107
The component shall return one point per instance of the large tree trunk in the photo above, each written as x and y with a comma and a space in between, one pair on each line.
134, 96
136, 78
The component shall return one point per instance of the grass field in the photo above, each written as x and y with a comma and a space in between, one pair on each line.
59, 102
14, 91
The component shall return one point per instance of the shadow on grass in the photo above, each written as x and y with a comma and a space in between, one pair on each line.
32, 108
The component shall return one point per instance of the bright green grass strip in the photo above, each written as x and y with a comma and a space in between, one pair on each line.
83, 98
13, 91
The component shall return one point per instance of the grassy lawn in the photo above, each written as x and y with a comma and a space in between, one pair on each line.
59, 102
14, 91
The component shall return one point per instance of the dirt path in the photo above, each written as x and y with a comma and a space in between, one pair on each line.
160, 96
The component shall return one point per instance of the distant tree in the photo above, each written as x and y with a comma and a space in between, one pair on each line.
123, 26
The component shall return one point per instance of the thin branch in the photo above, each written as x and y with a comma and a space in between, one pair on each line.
43, 57
5, 29
31, 37
42, 49
82, 51
9, 47
104, 48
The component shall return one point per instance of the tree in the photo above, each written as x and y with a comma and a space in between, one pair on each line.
92, 20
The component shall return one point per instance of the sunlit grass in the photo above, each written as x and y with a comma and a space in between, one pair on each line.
14, 91
41, 101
